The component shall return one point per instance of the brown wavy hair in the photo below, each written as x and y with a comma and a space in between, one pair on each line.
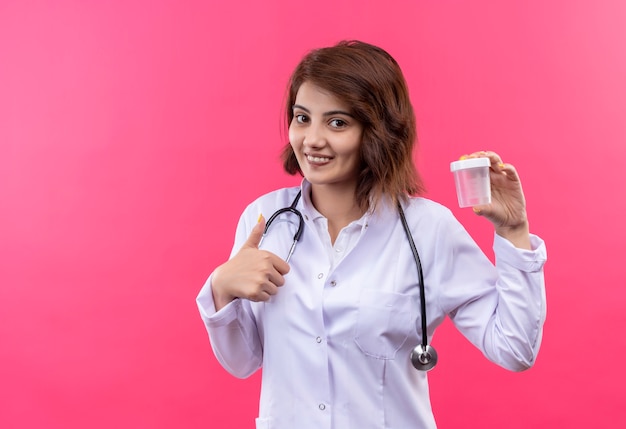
369, 80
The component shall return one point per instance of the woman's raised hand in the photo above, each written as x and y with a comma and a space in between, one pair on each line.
507, 210
251, 274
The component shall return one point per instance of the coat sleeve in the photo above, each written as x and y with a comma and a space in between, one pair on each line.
232, 330
500, 309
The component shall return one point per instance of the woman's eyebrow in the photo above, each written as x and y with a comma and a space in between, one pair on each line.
330, 113
297, 106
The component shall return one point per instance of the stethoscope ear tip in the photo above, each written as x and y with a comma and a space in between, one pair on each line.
424, 358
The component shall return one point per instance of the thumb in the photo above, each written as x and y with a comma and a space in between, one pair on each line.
479, 210
257, 232
485, 211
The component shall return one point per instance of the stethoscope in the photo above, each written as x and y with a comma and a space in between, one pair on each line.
423, 356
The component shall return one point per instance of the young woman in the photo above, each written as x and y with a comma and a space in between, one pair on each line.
333, 328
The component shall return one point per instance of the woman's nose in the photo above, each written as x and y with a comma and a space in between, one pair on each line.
314, 136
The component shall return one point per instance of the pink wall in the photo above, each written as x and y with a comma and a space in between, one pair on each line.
132, 134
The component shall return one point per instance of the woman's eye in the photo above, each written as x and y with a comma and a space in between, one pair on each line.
301, 119
338, 123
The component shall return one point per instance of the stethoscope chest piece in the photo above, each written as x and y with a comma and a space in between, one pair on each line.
424, 358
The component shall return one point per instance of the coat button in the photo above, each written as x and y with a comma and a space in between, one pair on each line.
320, 275
333, 283
322, 407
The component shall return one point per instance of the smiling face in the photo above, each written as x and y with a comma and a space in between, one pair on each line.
325, 138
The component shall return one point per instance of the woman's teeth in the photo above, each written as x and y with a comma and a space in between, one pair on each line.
317, 158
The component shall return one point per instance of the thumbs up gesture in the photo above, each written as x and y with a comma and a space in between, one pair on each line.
252, 273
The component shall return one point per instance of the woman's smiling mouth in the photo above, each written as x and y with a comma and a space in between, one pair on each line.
317, 159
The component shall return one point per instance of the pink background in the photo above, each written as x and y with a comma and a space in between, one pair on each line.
132, 135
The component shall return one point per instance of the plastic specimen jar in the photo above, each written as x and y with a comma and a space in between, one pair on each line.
471, 178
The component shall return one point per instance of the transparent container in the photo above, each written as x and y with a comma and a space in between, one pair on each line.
471, 178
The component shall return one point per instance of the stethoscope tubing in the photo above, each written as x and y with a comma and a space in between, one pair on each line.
420, 276
423, 357
299, 231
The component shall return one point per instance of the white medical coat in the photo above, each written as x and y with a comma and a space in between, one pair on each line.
334, 343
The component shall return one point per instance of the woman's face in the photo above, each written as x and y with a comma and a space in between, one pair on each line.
325, 138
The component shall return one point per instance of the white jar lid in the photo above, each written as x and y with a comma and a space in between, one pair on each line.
469, 163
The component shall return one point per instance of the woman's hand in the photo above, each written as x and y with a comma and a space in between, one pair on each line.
507, 210
251, 274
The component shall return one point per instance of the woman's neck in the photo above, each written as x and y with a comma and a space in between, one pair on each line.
338, 205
